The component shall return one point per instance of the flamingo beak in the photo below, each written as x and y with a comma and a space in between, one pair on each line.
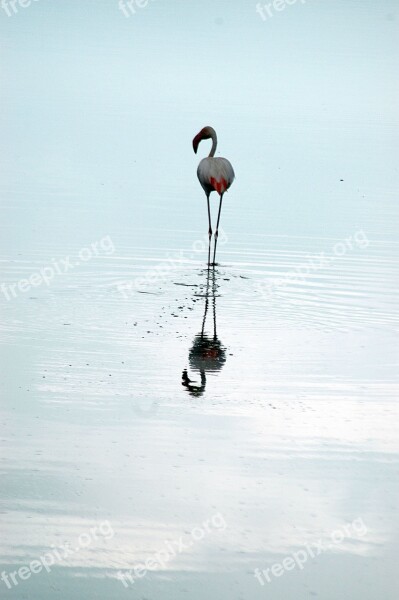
196, 142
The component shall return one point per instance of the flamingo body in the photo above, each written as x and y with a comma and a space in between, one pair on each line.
215, 174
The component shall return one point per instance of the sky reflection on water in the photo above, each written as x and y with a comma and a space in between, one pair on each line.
141, 389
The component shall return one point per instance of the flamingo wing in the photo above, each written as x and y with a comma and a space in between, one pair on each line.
215, 174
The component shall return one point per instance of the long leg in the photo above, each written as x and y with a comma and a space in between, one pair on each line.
217, 228
209, 232
209, 218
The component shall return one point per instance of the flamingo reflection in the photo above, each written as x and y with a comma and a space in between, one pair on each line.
207, 353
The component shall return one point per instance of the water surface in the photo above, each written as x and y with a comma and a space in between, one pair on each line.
252, 406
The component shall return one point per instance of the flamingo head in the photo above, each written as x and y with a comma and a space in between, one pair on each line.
204, 134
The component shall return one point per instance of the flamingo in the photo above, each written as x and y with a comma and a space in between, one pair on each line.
215, 175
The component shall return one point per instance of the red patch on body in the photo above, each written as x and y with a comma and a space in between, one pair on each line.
219, 186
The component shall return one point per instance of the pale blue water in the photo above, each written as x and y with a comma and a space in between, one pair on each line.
284, 435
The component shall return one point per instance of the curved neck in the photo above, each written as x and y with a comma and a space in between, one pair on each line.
214, 143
